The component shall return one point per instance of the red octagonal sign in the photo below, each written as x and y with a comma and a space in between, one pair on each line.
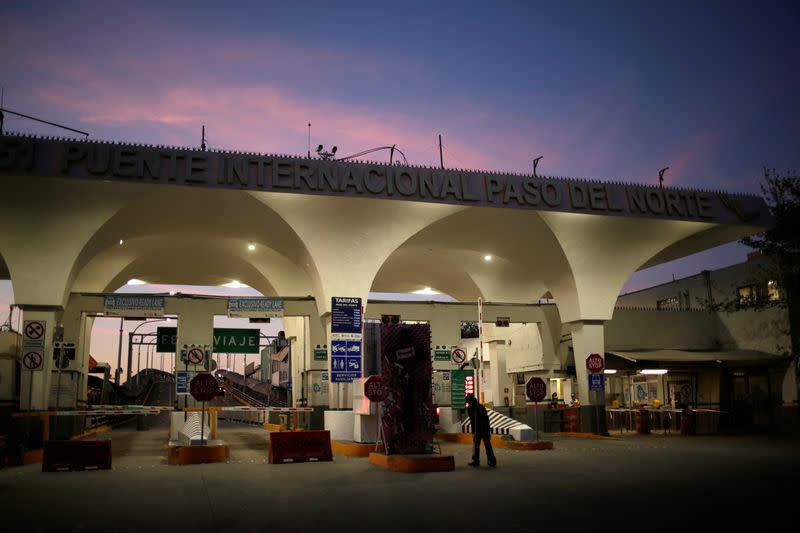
536, 389
374, 389
595, 363
203, 387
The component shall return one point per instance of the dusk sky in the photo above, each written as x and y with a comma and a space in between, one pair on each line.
604, 90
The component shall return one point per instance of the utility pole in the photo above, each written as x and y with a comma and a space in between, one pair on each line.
203, 139
441, 158
309, 140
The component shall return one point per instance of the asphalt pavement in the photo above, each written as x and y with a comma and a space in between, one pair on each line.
641, 483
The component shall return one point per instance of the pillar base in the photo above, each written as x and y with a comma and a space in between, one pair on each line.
413, 463
593, 419
216, 452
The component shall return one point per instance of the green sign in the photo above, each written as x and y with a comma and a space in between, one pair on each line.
320, 354
458, 380
226, 340
441, 355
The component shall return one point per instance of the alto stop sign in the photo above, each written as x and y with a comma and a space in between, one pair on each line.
374, 389
536, 389
595, 363
203, 387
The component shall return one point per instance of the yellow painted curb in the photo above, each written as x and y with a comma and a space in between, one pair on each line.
411, 463
33, 456
192, 455
93, 431
352, 449
463, 438
497, 442
523, 446
586, 436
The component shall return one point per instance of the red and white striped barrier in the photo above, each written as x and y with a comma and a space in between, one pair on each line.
274, 409
98, 412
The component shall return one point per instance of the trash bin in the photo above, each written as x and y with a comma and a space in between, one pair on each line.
688, 424
643, 422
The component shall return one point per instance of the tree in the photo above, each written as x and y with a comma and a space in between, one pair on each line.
781, 243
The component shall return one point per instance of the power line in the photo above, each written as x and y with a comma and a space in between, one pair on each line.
42, 121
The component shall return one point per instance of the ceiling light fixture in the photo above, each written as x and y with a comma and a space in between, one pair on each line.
121, 241
134, 281
235, 285
656, 371
426, 290
609, 371
251, 246
487, 257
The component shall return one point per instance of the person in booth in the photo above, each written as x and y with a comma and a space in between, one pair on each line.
554, 400
479, 419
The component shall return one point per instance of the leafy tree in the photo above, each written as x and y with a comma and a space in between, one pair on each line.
781, 243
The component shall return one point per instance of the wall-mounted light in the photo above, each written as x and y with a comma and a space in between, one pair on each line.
121, 241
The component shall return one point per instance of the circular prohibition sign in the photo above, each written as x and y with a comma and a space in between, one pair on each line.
34, 330
195, 356
32, 360
459, 356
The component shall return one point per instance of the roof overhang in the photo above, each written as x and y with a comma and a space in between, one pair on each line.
685, 356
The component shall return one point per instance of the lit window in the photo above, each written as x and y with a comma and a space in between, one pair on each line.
772, 291
748, 295
671, 302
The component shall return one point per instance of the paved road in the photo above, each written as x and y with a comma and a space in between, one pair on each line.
652, 483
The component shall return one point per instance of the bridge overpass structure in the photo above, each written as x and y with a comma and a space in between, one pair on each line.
80, 218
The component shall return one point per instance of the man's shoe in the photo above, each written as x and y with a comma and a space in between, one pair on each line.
473, 463
494, 464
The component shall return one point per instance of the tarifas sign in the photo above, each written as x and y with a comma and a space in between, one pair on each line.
154, 165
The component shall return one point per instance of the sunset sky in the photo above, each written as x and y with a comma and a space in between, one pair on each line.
605, 90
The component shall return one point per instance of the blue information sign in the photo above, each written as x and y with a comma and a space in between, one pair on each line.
595, 381
345, 315
255, 307
133, 305
345, 360
182, 380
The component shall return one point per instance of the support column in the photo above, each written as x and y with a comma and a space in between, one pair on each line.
588, 338
195, 326
35, 384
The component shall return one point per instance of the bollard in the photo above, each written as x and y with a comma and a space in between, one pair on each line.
642, 422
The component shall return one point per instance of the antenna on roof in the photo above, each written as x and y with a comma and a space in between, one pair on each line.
441, 159
535, 163
203, 139
309, 140
661, 176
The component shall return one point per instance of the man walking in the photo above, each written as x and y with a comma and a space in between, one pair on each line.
479, 419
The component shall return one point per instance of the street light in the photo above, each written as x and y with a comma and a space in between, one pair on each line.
326, 155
